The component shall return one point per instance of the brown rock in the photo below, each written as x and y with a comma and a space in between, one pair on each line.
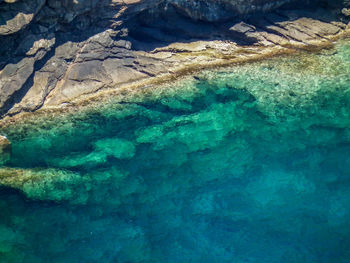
5, 149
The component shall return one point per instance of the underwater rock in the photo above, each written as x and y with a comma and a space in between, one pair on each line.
346, 11
5, 149
45, 184
119, 148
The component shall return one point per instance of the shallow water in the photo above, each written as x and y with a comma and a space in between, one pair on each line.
246, 164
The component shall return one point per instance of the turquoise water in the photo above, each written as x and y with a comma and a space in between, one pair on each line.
247, 164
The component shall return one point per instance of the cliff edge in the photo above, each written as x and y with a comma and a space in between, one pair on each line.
54, 53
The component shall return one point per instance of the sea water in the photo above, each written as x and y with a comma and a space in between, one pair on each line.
248, 164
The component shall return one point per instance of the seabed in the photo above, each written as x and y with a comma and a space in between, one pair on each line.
248, 163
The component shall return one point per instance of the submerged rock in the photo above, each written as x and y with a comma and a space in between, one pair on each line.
5, 149
346, 11
116, 147
45, 184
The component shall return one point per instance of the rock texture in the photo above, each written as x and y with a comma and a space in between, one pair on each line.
214, 10
5, 149
55, 52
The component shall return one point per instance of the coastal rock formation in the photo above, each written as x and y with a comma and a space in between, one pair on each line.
212, 123
259, 149
55, 53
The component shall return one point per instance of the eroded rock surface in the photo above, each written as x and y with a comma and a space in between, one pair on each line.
54, 53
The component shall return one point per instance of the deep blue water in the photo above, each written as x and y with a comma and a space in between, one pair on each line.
249, 164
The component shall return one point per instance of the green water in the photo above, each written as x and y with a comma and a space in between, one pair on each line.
248, 164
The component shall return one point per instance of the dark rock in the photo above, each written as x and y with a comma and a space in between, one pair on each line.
243, 32
18, 15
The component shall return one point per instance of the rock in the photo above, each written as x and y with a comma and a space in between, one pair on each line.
244, 32
5, 149
216, 10
18, 15
54, 52
116, 147
33, 43
45, 184
346, 11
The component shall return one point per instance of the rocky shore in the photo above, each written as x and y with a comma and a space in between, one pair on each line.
55, 54
123, 151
